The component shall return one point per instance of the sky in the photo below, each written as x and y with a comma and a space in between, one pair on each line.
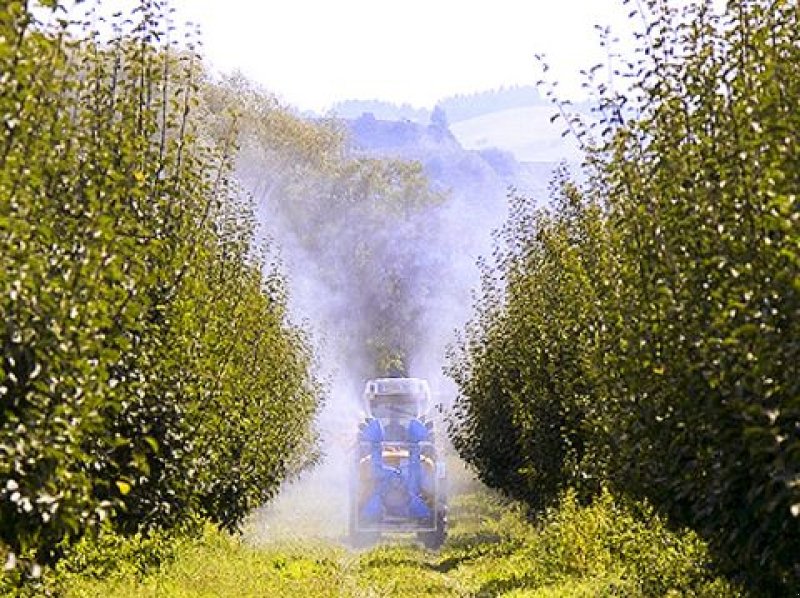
312, 53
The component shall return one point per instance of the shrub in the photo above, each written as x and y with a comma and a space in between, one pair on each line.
628, 544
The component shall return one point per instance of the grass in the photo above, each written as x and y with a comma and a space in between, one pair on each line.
218, 564
493, 550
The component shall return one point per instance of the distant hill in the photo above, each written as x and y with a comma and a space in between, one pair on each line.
352, 109
479, 172
515, 120
525, 132
464, 107
458, 107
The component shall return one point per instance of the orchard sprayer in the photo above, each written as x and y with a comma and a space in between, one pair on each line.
399, 477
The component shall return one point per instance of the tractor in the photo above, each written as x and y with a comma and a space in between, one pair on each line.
399, 478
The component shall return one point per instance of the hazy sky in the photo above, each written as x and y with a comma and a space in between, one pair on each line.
315, 52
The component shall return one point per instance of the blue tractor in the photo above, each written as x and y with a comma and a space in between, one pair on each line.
398, 482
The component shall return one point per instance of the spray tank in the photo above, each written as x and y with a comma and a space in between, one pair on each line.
398, 485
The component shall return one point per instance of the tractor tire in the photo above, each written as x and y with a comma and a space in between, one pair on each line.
355, 538
433, 540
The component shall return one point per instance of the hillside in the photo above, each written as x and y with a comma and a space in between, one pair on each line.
515, 120
457, 107
482, 172
527, 133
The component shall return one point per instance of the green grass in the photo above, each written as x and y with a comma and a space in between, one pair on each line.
493, 550
218, 564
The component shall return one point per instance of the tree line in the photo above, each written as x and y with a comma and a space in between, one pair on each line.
149, 370
641, 332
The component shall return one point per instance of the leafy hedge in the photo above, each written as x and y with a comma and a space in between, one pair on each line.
525, 370
148, 368
644, 329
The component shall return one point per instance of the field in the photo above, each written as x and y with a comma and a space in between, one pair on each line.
528, 133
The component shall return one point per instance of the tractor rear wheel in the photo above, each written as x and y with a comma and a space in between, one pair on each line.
433, 540
356, 538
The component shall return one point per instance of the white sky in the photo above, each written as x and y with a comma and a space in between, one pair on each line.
312, 53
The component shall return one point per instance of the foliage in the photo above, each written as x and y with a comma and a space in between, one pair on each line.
206, 562
522, 426
109, 555
609, 540
148, 368
645, 332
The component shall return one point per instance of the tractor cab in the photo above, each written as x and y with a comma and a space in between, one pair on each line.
395, 402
